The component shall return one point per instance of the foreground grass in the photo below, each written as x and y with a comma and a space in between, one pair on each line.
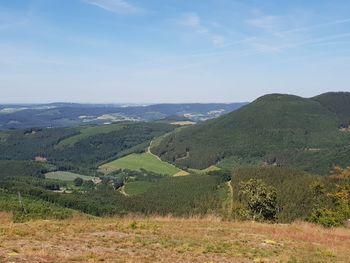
145, 161
169, 240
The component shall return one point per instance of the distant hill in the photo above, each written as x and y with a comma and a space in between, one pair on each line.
72, 114
275, 129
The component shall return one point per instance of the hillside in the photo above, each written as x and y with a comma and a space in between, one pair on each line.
169, 239
81, 147
275, 129
338, 103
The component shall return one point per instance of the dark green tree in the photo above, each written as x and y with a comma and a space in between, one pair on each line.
78, 182
89, 184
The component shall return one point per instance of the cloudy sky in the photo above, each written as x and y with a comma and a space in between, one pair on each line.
171, 50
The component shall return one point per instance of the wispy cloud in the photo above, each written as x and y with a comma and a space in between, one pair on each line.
194, 22
269, 24
279, 33
116, 6
279, 46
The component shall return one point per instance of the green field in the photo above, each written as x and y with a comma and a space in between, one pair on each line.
137, 187
145, 161
68, 176
88, 132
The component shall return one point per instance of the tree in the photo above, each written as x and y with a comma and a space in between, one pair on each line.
318, 192
338, 213
341, 173
78, 181
89, 184
260, 199
118, 183
224, 175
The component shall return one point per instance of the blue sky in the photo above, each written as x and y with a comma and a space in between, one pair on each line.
171, 50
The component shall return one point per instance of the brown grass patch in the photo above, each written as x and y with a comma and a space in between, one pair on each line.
169, 239
5, 218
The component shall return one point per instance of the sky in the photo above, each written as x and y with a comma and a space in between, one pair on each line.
153, 51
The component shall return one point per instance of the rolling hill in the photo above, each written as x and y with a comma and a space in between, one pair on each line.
274, 129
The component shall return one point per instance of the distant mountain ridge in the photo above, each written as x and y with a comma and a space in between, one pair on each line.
275, 129
73, 114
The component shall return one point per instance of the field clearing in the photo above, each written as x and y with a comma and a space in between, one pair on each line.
183, 123
11, 110
69, 177
137, 162
137, 187
88, 132
133, 239
3, 136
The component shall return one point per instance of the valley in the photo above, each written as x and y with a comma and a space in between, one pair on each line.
251, 165
174, 131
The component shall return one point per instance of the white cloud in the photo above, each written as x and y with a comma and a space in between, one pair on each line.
218, 40
193, 21
190, 20
269, 24
116, 6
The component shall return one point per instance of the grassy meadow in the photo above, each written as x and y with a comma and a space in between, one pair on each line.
67, 176
145, 161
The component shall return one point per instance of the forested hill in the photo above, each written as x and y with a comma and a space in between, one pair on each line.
338, 103
274, 129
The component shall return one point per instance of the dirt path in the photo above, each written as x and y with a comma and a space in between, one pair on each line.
180, 173
122, 191
149, 151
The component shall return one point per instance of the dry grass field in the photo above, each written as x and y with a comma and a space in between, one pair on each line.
135, 239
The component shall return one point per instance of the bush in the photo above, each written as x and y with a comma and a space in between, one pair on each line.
260, 198
338, 213
78, 182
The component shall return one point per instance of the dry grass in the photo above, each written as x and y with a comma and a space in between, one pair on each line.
5, 218
167, 239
